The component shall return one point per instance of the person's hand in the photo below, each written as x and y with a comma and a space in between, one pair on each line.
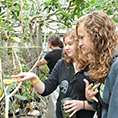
36, 67
73, 106
90, 91
25, 76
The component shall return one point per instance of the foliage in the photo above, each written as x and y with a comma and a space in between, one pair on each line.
108, 6
44, 72
26, 99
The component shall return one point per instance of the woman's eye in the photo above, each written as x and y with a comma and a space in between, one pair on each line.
70, 43
81, 37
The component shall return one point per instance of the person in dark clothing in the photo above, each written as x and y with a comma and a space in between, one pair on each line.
52, 57
59, 76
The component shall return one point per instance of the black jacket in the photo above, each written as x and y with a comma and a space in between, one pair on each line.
60, 77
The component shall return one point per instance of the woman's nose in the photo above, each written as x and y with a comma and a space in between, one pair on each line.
66, 47
80, 43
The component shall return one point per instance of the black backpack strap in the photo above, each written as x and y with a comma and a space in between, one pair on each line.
99, 108
73, 81
102, 102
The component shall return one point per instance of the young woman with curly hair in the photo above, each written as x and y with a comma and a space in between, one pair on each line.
98, 38
59, 76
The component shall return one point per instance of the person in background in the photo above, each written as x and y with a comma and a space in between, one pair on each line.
51, 59
61, 44
98, 38
59, 77
53, 56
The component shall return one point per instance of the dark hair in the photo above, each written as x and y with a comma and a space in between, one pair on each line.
61, 44
54, 39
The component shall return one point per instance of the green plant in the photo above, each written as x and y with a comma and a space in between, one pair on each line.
44, 72
26, 99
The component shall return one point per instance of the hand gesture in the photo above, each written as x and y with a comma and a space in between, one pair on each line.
73, 106
25, 76
90, 91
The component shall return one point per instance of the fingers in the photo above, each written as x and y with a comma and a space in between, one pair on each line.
36, 67
21, 77
70, 108
86, 82
90, 91
68, 102
91, 85
72, 114
95, 99
68, 105
96, 86
13, 76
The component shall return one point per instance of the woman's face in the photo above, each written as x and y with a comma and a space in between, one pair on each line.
84, 40
70, 47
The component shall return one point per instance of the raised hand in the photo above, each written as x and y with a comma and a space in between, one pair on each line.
90, 91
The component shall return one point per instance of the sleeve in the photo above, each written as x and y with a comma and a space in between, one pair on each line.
93, 104
113, 103
47, 57
113, 88
51, 82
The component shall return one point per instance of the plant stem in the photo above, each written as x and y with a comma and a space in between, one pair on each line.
7, 106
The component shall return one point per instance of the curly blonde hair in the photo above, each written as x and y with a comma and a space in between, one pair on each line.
82, 60
102, 31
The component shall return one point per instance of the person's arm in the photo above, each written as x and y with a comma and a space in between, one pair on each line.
113, 102
76, 105
49, 84
36, 82
41, 62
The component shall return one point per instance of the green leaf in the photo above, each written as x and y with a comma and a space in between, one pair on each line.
115, 20
2, 13
110, 12
0, 18
99, 2
32, 1
20, 97
10, 88
10, 104
92, 1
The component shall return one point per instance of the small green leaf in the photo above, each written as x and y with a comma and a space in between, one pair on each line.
20, 97
92, 1
110, 12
